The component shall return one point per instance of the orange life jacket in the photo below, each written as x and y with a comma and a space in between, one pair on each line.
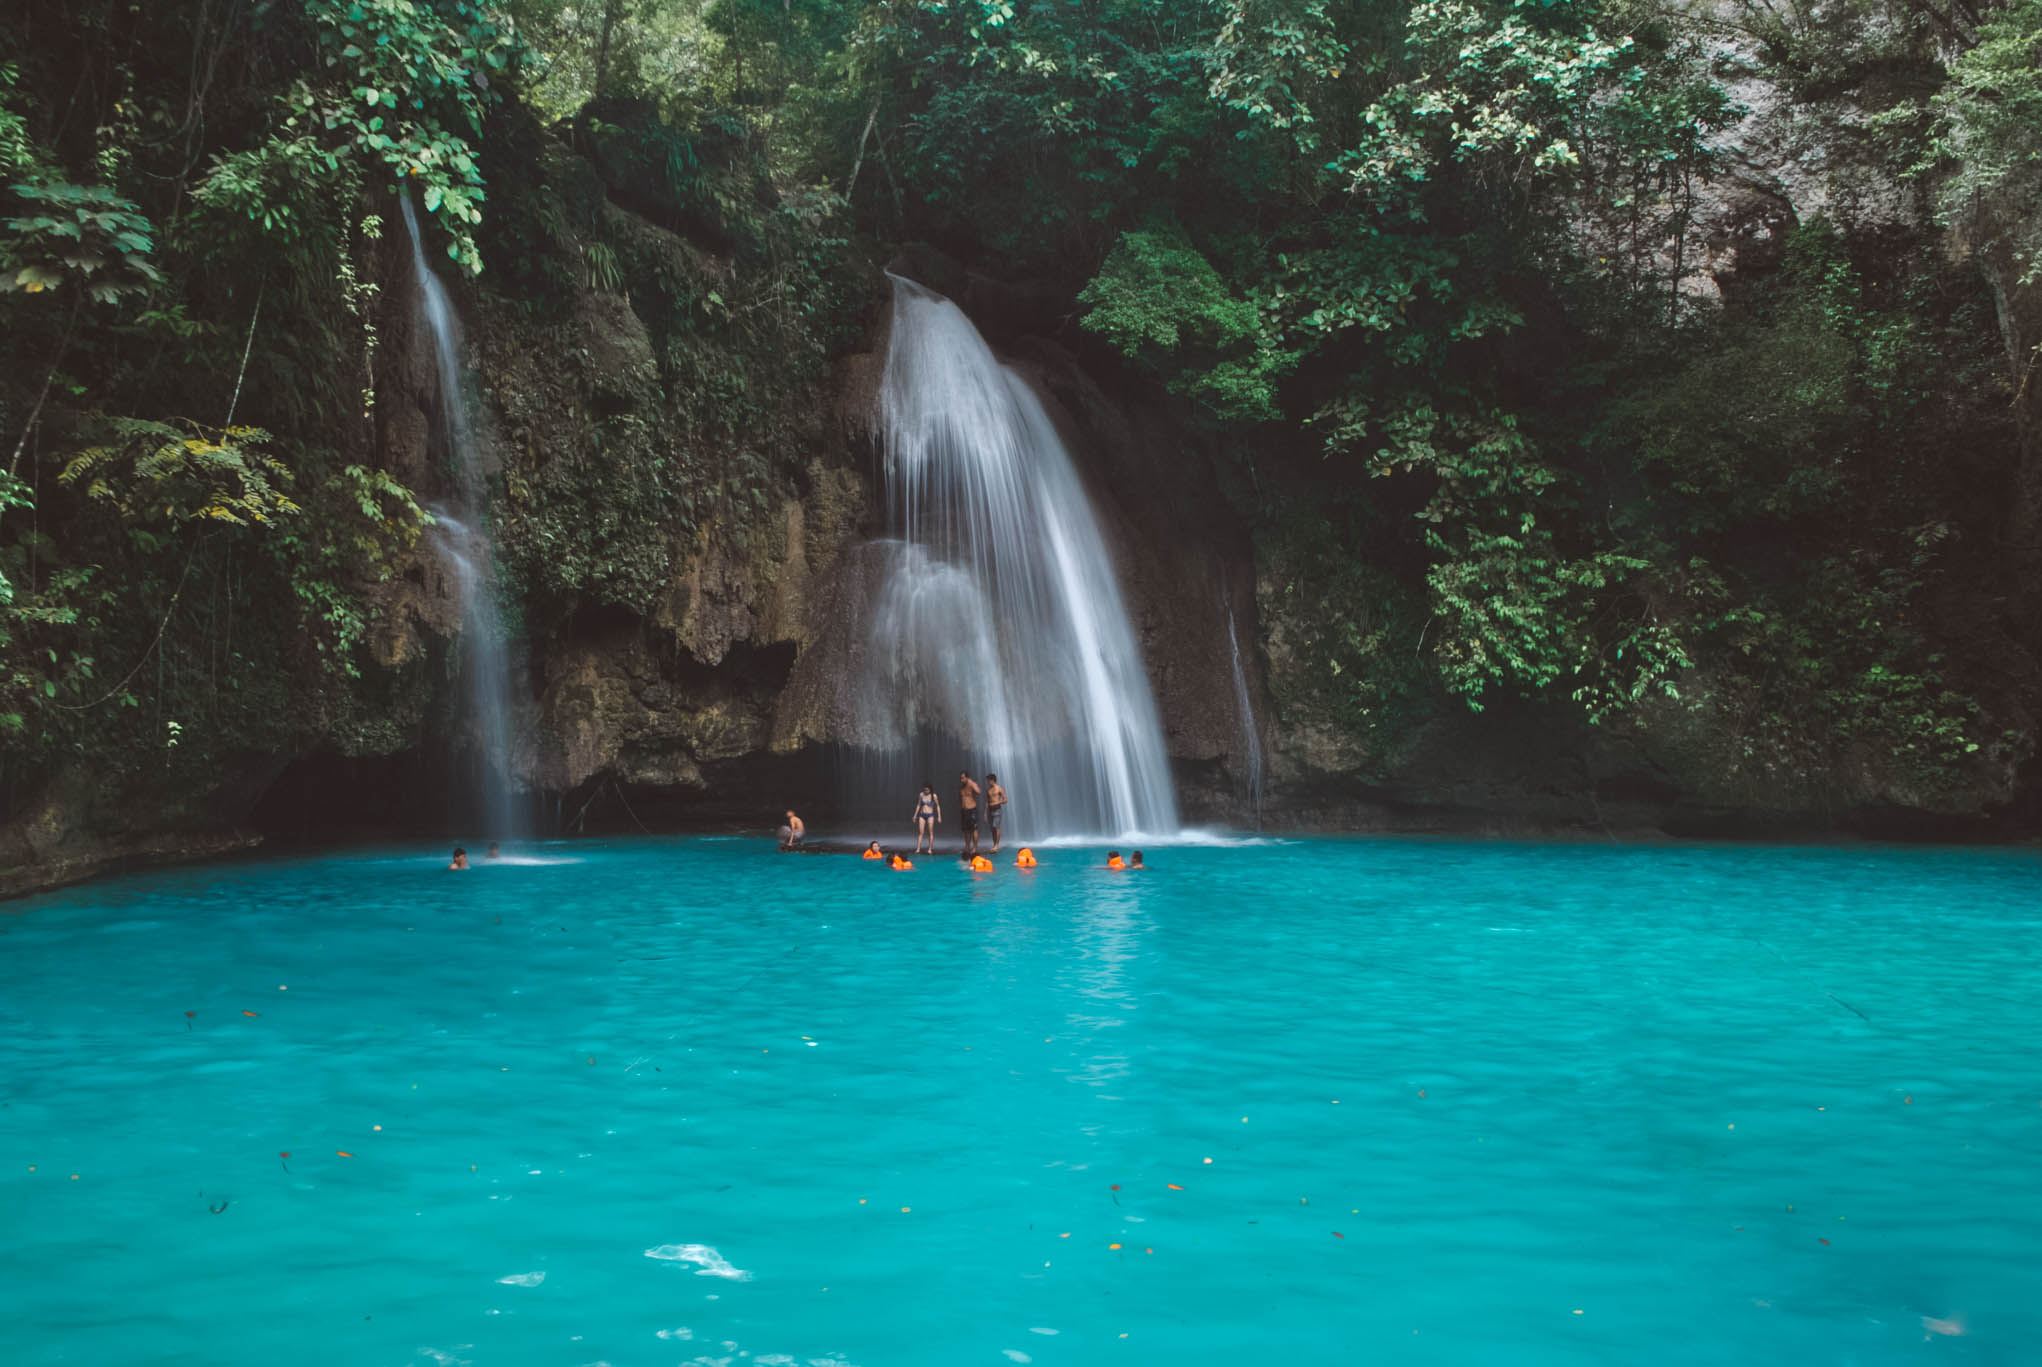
1114, 863
901, 863
981, 864
1025, 859
874, 854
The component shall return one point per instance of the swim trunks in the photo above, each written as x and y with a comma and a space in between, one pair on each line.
970, 820
995, 814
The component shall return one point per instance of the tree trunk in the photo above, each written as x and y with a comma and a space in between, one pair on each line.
612, 12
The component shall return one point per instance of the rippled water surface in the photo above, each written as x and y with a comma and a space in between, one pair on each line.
1323, 1102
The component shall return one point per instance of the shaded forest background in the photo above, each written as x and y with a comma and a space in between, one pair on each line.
1528, 378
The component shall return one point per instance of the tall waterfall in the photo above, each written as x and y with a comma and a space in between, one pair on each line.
998, 640
1244, 709
463, 537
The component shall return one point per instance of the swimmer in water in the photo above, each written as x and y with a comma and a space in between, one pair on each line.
1136, 862
1025, 859
460, 859
1113, 860
494, 852
872, 851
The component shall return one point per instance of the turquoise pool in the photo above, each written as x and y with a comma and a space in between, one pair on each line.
1324, 1102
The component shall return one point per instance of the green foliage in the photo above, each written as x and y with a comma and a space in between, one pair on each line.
399, 85
18, 156
1991, 134
82, 233
1507, 91
1272, 61
156, 473
1156, 299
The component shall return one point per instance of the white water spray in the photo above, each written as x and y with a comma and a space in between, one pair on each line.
463, 537
998, 638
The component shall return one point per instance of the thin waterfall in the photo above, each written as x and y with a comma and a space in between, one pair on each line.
463, 537
998, 639
1251, 734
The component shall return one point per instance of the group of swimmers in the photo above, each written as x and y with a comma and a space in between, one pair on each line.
1024, 859
461, 856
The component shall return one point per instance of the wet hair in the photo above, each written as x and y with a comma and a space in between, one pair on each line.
992, 778
1137, 855
458, 851
1113, 854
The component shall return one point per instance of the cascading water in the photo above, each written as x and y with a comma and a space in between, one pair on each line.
462, 536
1251, 734
998, 639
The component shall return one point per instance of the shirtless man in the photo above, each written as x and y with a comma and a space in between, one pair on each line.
967, 802
996, 807
796, 832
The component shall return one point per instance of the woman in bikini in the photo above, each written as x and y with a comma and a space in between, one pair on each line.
928, 811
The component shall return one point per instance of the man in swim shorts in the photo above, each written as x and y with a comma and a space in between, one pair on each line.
967, 802
996, 808
796, 832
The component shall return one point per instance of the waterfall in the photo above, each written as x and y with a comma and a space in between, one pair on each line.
998, 639
462, 535
1251, 734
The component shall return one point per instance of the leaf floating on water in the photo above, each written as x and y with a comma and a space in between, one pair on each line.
251, 1013
1173, 1186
